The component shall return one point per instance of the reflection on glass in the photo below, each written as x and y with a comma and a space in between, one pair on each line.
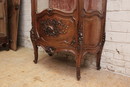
93, 5
42, 5
62, 5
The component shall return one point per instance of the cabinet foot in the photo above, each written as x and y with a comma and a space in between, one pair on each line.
98, 60
36, 54
78, 73
50, 54
35, 61
98, 68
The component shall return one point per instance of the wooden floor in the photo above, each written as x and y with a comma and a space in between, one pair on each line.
18, 70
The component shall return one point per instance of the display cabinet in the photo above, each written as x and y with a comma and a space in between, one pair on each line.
75, 26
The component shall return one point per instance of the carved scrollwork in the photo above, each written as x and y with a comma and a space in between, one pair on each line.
80, 34
103, 38
32, 35
50, 50
50, 11
53, 27
73, 41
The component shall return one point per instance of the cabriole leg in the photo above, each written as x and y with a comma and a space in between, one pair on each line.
98, 60
100, 53
33, 39
78, 73
35, 53
78, 64
7, 46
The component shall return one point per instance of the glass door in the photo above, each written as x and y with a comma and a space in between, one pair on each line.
93, 5
64, 5
67, 6
42, 5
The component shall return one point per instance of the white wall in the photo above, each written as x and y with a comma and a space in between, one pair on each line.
25, 24
116, 53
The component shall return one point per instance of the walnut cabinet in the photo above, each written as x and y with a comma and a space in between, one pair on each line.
9, 19
76, 26
4, 41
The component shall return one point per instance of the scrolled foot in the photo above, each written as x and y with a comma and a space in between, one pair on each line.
98, 68
50, 54
35, 61
7, 47
78, 73
78, 78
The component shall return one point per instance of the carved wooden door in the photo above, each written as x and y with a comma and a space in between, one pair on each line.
58, 30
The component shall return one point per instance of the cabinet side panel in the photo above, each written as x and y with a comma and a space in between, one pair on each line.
93, 23
92, 31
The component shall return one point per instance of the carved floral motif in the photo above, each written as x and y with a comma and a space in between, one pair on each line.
53, 27
50, 50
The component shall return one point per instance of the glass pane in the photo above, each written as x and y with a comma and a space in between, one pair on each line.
93, 5
63, 5
42, 5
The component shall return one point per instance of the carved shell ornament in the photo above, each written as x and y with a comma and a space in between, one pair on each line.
53, 27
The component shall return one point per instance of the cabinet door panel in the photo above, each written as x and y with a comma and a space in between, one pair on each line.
57, 30
92, 31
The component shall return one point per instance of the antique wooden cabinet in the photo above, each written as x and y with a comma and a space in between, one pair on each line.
9, 19
76, 26
4, 41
